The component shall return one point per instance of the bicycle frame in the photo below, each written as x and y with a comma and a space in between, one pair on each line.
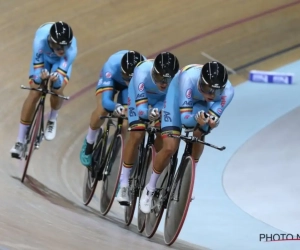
43, 88
106, 135
189, 140
150, 141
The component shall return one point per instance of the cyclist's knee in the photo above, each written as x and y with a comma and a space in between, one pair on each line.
136, 137
59, 89
100, 110
158, 136
199, 134
125, 125
170, 145
34, 95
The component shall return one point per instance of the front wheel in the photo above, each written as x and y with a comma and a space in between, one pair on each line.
111, 175
31, 139
157, 207
146, 174
179, 200
134, 184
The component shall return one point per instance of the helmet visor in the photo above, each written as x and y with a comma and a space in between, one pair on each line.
159, 79
207, 89
125, 76
58, 47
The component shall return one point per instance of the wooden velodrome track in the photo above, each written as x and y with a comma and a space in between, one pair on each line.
46, 212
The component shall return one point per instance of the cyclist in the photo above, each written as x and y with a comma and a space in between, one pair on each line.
115, 76
54, 51
148, 86
197, 98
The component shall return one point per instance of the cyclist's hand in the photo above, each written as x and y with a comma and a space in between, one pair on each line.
53, 76
119, 110
213, 121
44, 74
153, 114
202, 118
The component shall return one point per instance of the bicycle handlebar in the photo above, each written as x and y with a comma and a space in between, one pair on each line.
192, 139
46, 91
150, 129
111, 116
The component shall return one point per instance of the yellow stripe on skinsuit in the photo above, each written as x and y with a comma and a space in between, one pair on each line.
183, 110
173, 132
138, 103
187, 67
46, 24
66, 80
62, 72
38, 65
213, 113
101, 90
141, 62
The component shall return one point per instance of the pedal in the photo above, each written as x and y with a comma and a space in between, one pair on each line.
16, 156
124, 203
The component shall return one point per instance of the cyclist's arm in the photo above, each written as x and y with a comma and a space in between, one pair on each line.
141, 99
106, 88
186, 101
64, 65
107, 91
37, 59
218, 107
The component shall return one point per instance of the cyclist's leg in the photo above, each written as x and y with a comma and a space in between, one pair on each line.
158, 142
94, 126
171, 123
56, 102
130, 148
199, 132
122, 99
27, 111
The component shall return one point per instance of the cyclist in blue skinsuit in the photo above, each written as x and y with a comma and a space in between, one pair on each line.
148, 87
115, 76
197, 96
54, 51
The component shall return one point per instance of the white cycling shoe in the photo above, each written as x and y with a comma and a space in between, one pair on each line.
146, 200
123, 196
50, 130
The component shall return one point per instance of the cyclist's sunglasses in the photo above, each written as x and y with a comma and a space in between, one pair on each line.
159, 79
206, 89
126, 77
58, 47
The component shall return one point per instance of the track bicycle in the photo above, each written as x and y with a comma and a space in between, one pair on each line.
35, 132
106, 164
174, 191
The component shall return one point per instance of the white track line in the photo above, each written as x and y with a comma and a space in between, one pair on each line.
213, 59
